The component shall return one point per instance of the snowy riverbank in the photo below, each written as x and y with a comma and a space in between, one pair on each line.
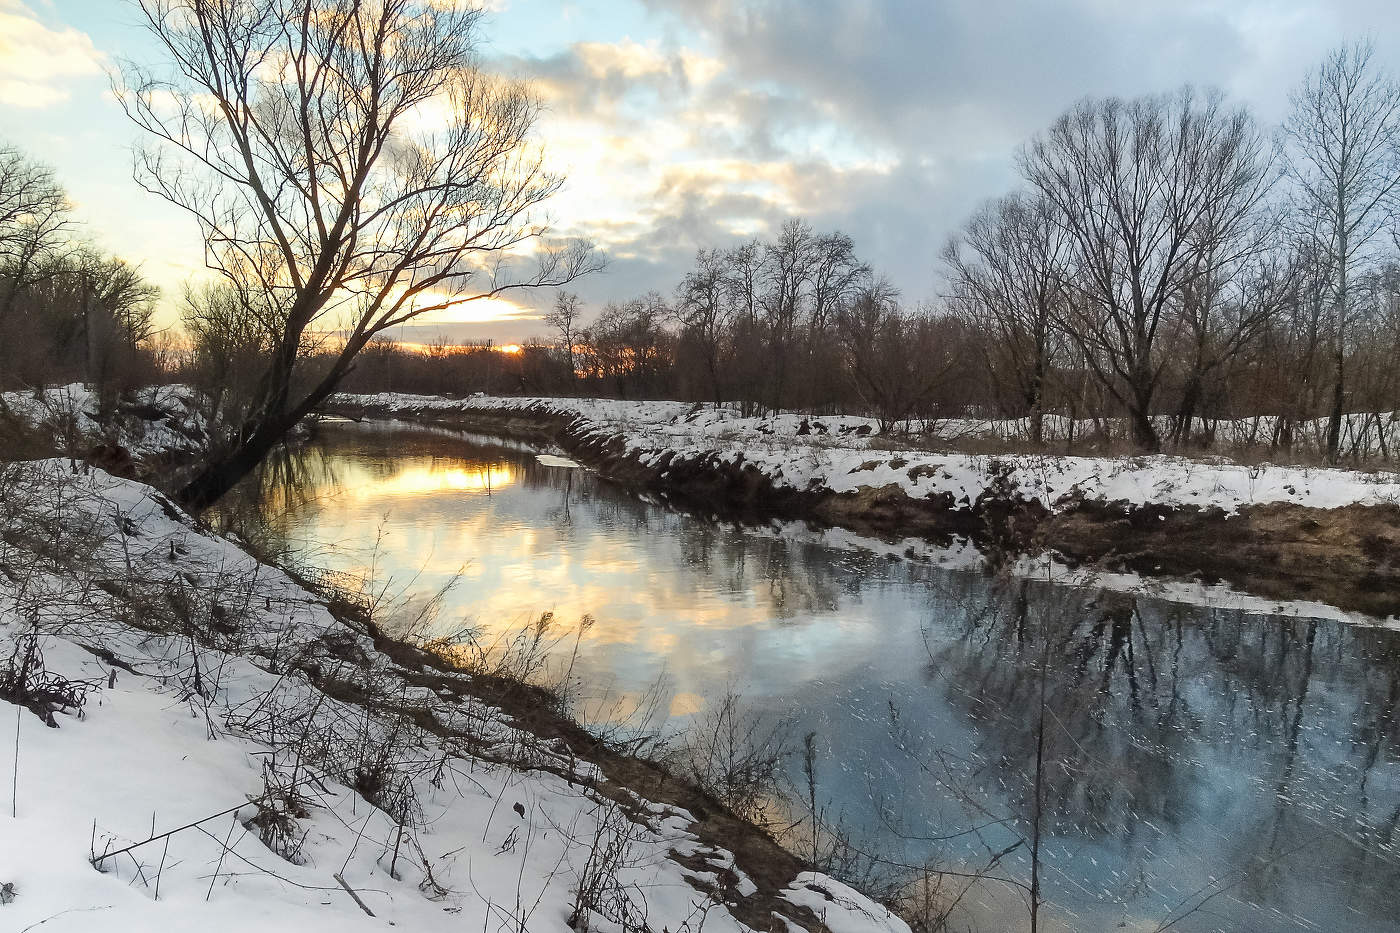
845, 454
1277, 532
311, 779
149, 425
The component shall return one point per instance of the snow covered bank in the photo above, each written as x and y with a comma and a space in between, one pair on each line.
149, 424
847, 453
1279, 532
231, 754
963, 554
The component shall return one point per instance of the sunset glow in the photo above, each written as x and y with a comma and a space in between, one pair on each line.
415, 482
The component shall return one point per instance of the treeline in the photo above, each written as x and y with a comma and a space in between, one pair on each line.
796, 323
1166, 263
68, 311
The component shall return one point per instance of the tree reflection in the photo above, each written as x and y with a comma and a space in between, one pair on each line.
1136, 692
1116, 712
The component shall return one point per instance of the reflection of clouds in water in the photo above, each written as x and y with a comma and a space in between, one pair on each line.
713, 603
686, 704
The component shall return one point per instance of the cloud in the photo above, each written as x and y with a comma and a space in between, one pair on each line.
672, 148
38, 63
691, 123
888, 119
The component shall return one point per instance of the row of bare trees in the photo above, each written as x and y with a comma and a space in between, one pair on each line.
1166, 263
1169, 249
797, 322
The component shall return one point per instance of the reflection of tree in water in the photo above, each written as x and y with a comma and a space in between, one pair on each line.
1137, 692
798, 580
1376, 729
1117, 717
1323, 807
262, 507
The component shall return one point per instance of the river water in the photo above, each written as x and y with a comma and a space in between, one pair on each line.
1200, 768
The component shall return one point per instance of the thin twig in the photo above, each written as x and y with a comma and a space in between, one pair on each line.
222, 852
351, 891
14, 779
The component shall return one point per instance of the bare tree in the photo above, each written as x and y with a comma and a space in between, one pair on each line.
34, 224
1227, 307
629, 346
836, 275
349, 160
230, 340
120, 291
745, 265
788, 265
704, 310
565, 319
894, 358
1131, 183
1344, 131
1008, 281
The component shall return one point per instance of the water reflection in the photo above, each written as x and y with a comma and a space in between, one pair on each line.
1201, 767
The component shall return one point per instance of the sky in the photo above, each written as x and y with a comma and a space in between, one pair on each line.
684, 124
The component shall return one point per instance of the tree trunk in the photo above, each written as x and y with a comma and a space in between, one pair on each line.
1186, 413
1334, 420
1144, 431
713, 365
260, 437
1036, 397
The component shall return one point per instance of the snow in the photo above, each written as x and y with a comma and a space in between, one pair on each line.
840, 908
504, 821
70, 412
553, 460
963, 554
846, 454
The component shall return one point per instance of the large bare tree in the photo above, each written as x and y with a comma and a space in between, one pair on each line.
349, 165
1344, 132
1134, 185
1007, 279
788, 263
704, 311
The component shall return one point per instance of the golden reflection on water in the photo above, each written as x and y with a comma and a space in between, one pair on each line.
518, 539
419, 479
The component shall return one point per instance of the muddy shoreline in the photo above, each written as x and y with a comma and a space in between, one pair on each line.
1347, 557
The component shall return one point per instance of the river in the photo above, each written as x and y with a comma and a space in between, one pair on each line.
1201, 768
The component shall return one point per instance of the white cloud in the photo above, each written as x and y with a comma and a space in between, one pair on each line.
38, 63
